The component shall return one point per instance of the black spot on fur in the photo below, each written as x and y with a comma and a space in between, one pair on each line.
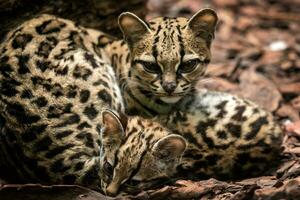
105, 96
62, 134
31, 133
42, 65
26, 94
83, 125
44, 49
72, 119
234, 129
101, 82
58, 150
63, 71
87, 137
82, 72
40, 102
90, 112
91, 59
84, 96
36, 79
5, 68
67, 108
59, 166
54, 111
238, 116
8, 89
50, 26
22, 116
57, 90
71, 91
255, 127
201, 129
79, 166
20, 41
43, 144
180, 116
222, 134
221, 108
23, 62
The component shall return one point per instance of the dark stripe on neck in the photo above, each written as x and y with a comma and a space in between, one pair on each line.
151, 111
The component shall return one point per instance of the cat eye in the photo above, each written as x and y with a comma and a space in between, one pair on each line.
108, 169
151, 67
189, 66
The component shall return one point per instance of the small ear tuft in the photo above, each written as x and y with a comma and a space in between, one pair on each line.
171, 146
204, 21
133, 27
111, 125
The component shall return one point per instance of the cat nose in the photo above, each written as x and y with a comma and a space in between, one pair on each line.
169, 87
112, 190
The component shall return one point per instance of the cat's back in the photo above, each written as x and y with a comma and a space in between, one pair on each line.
53, 89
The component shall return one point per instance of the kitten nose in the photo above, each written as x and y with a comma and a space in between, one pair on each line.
169, 87
112, 189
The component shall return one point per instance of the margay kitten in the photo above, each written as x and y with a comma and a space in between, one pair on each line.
55, 126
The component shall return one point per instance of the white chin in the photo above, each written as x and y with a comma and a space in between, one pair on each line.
170, 99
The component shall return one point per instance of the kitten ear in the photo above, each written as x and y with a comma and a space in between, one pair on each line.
171, 146
112, 127
133, 27
204, 21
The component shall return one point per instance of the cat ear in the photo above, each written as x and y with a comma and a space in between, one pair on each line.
112, 126
133, 27
203, 23
171, 146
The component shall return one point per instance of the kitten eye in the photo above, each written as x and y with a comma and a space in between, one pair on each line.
108, 169
151, 67
189, 66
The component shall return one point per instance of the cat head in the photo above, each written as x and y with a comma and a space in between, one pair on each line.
168, 55
136, 149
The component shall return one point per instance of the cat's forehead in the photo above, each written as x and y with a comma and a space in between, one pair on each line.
167, 39
167, 23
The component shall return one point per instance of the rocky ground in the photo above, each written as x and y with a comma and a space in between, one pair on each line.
256, 55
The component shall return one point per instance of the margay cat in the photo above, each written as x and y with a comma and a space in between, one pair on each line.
167, 58
58, 70
55, 126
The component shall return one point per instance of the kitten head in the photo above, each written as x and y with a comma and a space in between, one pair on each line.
168, 55
136, 149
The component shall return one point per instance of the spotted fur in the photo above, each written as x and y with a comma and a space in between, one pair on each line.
61, 112
228, 137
